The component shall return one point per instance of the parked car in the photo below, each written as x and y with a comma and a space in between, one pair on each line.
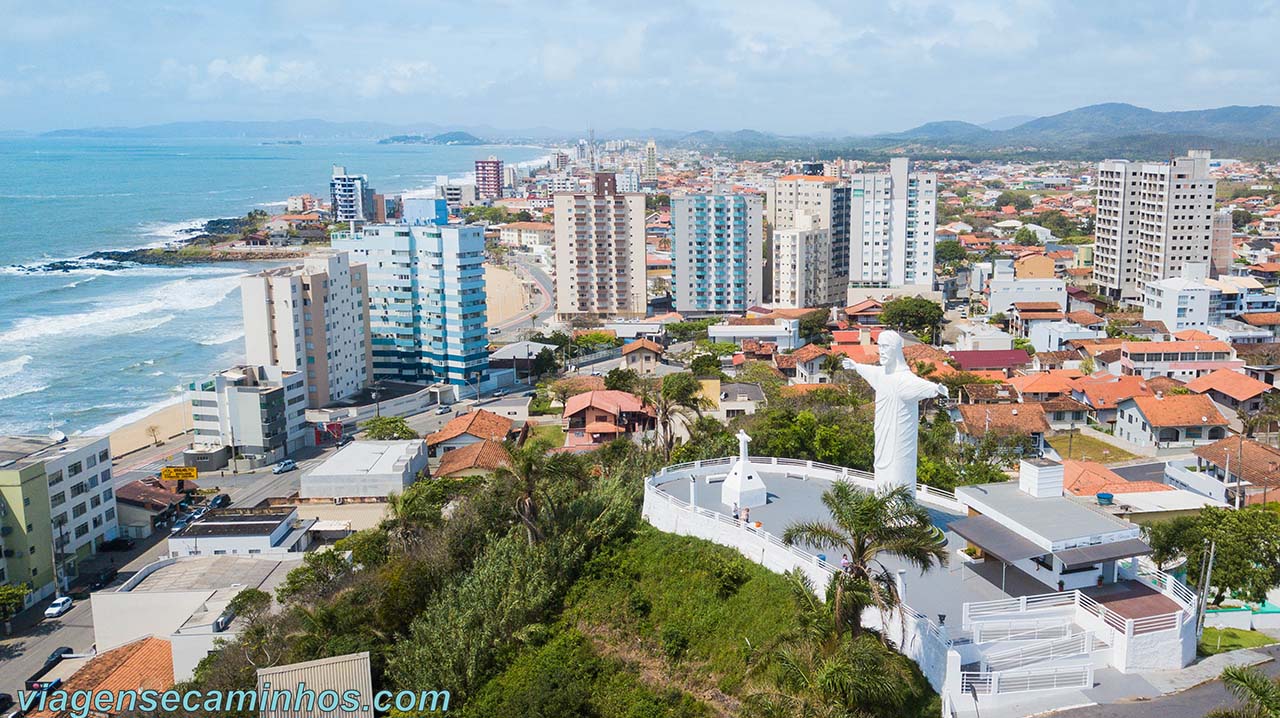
103, 580
531, 393
58, 607
58, 653
443, 410
500, 392
495, 330
179, 525
284, 465
117, 544
6, 702
219, 501
346, 440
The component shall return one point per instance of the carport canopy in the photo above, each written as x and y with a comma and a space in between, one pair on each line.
1097, 553
989, 535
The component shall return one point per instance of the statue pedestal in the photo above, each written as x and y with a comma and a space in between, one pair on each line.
743, 486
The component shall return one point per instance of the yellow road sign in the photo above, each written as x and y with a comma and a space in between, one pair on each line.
176, 473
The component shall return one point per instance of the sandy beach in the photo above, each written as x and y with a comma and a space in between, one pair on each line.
169, 421
504, 292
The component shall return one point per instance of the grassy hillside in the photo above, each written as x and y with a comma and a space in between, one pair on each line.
661, 626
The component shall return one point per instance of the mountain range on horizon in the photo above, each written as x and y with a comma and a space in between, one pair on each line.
1117, 129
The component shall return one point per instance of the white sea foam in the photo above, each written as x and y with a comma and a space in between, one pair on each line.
14, 366
113, 315
166, 233
141, 412
15, 389
213, 340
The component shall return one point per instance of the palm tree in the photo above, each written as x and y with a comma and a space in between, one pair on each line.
833, 365
1250, 421
865, 526
816, 672
666, 411
1259, 696
533, 469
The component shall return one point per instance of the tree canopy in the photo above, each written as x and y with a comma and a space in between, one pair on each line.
916, 315
388, 428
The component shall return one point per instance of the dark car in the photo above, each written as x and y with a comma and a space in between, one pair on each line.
58, 653
104, 579
6, 702
346, 440
117, 544
219, 501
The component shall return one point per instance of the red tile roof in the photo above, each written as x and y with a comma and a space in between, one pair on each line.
1232, 383
991, 359
485, 455
1002, 419
1179, 410
480, 423
611, 401
1089, 478
145, 664
638, 344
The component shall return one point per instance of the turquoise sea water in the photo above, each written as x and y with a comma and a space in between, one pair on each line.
93, 348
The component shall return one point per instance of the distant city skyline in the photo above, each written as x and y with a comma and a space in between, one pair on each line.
800, 67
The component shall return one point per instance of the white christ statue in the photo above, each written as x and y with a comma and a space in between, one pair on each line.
898, 396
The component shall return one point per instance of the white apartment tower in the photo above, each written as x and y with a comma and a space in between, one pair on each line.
313, 320
813, 202
350, 196
650, 162
1151, 218
600, 252
802, 265
717, 251
891, 227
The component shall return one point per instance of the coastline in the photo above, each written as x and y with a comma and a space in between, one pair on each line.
170, 421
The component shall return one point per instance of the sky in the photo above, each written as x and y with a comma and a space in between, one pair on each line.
789, 66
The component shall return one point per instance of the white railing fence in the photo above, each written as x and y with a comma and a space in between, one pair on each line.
1000, 631
1035, 652
1087, 612
1040, 679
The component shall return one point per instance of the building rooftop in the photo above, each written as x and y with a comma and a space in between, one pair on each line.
1056, 518
145, 664
209, 573
370, 457
479, 423
238, 522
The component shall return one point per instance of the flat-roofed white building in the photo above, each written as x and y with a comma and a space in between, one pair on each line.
258, 410
366, 469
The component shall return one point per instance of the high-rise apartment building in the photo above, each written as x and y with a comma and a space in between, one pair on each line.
350, 196
26, 529
717, 251
891, 227
1220, 254
650, 173
311, 319
489, 178
1151, 218
600, 251
426, 300
825, 200
802, 264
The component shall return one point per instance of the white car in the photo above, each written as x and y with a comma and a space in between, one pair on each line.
58, 607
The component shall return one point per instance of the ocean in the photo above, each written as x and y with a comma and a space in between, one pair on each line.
92, 349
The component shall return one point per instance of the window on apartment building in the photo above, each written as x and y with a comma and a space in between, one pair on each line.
58, 499
77, 489
78, 510
106, 495
109, 514
55, 478
104, 455
94, 502
82, 530
74, 469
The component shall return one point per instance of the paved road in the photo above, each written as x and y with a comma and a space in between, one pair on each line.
544, 308
1153, 471
35, 637
1192, 703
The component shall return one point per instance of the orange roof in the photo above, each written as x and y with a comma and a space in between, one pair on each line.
638, 344
1240, 387
1002, 419
611, 401
866, 306
1085, 317
869, 354
1193, 335
809, 352
479, 423
602, 427
1174, 347
1106, 391
486, 455
1043, 383
1037, 306
1261, 319
1250, 460
1089, 478
808, 178
540, 226
145, 664
1179, 410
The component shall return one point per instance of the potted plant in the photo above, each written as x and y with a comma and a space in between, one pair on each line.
1062, 585
1099, 580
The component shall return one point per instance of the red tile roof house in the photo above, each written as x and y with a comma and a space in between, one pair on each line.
476, 426
595, 418
1177, 360
976, 421
1231, 389
804, 365
1103, 392
1004, 360
1170, 423
1025, 315
642, 356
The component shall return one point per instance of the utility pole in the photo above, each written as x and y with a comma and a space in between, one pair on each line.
1206, 575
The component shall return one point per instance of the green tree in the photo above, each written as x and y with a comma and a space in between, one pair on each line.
544, 363
319, 575
1170, 539
622, 379
1259, 696
866, 526
12, 599
1240, 218
388, 428
684, 389
814, 323
532, 470
705, 365
949, 252
1026, 238
916, 315
1246, 563
1020, 202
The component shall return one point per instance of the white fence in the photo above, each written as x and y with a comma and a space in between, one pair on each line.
1037, 679
1035, 652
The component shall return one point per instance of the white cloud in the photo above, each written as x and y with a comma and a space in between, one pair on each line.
260, 72
404, 78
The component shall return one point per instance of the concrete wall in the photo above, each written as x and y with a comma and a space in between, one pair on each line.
120, 617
